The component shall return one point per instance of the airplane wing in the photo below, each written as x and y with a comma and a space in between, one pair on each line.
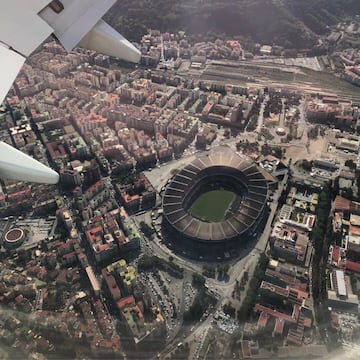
24, 25
10, 64
16, 165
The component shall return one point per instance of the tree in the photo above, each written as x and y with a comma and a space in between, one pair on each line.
24, 256
146, 229
320, 238
250, 298
229, 309
347, 193
198, 280
350, 163
226, 269
209, 271
313, 133
306, 165
201, 302
336, 187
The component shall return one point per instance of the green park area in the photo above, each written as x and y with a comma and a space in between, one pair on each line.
212, 205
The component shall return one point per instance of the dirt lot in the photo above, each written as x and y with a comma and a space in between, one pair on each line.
298, 152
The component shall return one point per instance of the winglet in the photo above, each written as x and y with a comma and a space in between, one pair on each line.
106, 40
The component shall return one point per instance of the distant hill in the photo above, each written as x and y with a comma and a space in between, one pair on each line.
293, 23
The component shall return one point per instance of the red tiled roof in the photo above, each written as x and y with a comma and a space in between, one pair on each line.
354, 230
101, 247
65, 246
94, 186
246, 350
19, 299
288, 279
355, 207
111, 284
335, 255
300, 294
276, 314
263, 318
124, 302
330, 99
274, 288
94, 234
279, 326
233, 43
19, 193
128, 198
342, 203
352, 265
307, 322
96, 218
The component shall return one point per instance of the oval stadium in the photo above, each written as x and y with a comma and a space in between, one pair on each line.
14, 238
214, 205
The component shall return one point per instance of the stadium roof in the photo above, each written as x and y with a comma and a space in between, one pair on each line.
240, 170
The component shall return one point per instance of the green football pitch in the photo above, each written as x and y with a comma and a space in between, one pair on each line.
212, 205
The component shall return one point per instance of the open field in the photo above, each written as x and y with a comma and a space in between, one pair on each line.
299, 152
212, 205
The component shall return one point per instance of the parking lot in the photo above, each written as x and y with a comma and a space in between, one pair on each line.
190, 293
348, 322
160, 284
225, 322
316, 172
160, 175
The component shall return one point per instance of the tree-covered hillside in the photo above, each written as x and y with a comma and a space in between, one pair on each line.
293, 23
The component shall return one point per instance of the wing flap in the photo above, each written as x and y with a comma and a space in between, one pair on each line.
21, 28
76, 20
34, 5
